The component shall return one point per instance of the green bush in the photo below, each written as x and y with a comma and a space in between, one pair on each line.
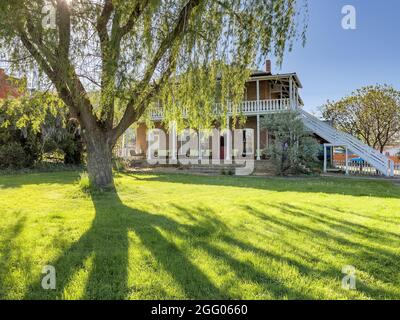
293, 149
12, 155
41, 127
19, 147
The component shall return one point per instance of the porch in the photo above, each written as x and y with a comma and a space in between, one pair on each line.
217, 145
264, 94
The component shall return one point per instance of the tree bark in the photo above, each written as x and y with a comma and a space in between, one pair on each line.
99, 159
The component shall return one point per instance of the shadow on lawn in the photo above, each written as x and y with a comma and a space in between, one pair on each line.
107, 244
344, 186
37, 178
8, 253
102, 252
340, 239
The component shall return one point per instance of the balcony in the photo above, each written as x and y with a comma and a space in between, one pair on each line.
253, 107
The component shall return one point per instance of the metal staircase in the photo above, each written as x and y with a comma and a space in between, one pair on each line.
336, 137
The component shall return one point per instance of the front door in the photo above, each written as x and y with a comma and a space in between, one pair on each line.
221, 148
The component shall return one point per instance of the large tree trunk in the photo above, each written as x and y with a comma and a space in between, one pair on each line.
99, 160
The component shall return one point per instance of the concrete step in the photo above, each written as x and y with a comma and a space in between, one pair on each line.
261, 167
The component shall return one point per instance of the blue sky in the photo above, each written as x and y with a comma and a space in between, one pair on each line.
336, 61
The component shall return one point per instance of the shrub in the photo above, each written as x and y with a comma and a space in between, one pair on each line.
293, 149
12, 155
40, 124
19, 147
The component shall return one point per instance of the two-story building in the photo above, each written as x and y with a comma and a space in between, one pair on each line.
265, 93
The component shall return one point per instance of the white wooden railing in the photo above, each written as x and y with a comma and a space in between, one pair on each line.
362, 167
251, 107
339, 138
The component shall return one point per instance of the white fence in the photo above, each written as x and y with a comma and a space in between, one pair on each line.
361, 167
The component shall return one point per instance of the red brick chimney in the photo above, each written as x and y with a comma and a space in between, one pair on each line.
268, 68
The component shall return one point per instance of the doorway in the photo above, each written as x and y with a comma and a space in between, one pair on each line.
222, 148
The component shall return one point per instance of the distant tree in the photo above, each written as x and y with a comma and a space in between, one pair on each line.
293, 149
371, 113
132, 51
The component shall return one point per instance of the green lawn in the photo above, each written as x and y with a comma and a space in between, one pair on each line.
192, 237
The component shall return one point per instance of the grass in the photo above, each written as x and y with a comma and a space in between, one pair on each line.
192, 237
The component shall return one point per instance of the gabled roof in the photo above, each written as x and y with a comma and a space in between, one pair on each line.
268, 76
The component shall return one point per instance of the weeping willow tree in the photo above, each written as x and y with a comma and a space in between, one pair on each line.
180, 55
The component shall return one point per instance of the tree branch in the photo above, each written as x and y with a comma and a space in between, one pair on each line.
64, 29
131, 114
102, 21
134, 16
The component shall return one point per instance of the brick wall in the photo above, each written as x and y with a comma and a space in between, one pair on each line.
8, 86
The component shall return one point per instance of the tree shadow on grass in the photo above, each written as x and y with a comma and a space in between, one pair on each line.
8, 253
377, 258
102, 255
345, 186
13, 181
107, 244
211, 228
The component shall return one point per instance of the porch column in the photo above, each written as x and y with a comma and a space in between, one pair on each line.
347, 162
199, 144
391, 168
228, 140
258, 95
123, 151
173, 143
324, 158
258, 137
148, 144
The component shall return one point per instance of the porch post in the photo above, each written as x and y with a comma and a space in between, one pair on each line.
148, 144
173, 143
347, 162
258, 95
123, 149
258, 137
228, 140
391, 168
199, 144
324, 158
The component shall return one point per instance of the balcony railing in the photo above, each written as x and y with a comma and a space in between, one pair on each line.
253, 107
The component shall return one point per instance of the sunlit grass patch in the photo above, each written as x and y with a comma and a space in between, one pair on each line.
199, 237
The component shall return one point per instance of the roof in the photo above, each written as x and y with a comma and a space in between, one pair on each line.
268, 76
